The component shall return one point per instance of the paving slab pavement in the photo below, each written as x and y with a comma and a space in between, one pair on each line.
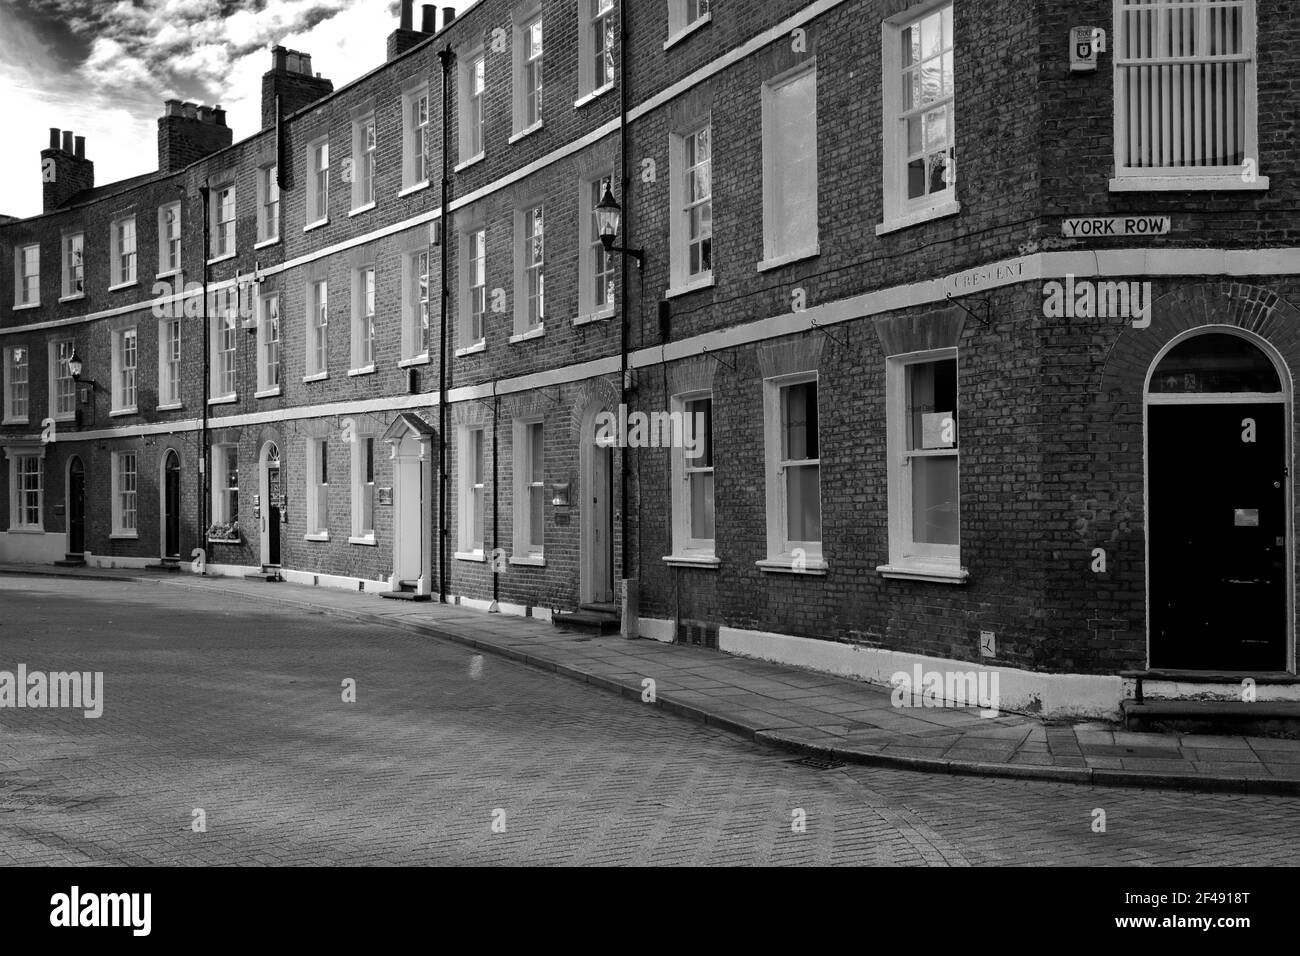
789, 707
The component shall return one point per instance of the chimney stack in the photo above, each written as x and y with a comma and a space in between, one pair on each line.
65, 171
187, 132
448, 14
291, 79
404, 37
429, 18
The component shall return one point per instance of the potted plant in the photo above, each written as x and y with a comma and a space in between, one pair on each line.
224, 532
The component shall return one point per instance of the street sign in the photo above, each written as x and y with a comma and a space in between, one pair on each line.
1085, 45
1086, 227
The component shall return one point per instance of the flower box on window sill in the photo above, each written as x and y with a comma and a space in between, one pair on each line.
224, 534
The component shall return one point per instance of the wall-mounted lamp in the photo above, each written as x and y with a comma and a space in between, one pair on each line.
609, 215
75, 368
560, 494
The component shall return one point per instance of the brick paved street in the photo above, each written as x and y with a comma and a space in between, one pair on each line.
234, 706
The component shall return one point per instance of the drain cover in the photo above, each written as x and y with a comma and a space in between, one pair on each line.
820, 763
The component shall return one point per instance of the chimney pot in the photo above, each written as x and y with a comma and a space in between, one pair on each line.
80, 143
205, 114
54, 137
407, 11
448, 14
190, 110
279, 58
219, 116
173, 108
67, 141
429, 18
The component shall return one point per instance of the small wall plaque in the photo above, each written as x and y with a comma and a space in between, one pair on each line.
384, 496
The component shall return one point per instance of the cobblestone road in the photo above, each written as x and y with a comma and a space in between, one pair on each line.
236, 708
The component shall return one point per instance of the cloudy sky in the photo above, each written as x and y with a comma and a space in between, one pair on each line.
103, 70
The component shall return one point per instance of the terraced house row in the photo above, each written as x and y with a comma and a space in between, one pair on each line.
982, 316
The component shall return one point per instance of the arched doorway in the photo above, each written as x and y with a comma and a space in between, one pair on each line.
76, 507
171, 506
1219, 552
273, 504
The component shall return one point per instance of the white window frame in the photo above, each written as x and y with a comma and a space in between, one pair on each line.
907, 558
591, 251
781, 549
776, 250
1160, 178
527, 551
18, 455
597, 50
224, 366
681, 279
224, 231
529, 95
120, 493
318, 183
471, 549
525, 327
269, 346
472, 69
363, 490
471, 292
364, 319
416, 301
225, 496
317, 490
365, 152
167, 240
317, 325
900, 211
27, 284
17, 409
688, 549
74, 266
60, 350
269, 209
684, 18
126, 380
124, 242
169, 365
417, 145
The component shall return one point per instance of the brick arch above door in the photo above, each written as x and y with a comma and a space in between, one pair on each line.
1199, 305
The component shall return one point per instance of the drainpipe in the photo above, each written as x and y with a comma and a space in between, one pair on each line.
204, 455
445, 56
496, 511
629, 599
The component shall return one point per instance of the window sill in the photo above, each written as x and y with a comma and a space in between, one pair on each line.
119, 412
27, 529
526, 131
479, 346
223, 399
532, 561
65, 419
316, 377
777, 262
222, 258
360, 209
530, 334
410, 362
470, 556
268, 393
316, 225
366, 540
262, 244
907, 220
937, 573
469, 162
317, 536
409, 190
15, 421
1175, 183
29, 305
691, 561
607, 313
172, 407
364, 370
123, 285
125, 536
595, 94
694, 285
234, 541
73, 298
168, 274
687, 30
784, 564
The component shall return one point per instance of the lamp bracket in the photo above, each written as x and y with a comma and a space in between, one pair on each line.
985, 320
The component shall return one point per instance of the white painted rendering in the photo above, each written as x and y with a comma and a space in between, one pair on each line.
32, 547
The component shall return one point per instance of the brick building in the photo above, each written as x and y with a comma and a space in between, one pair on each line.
987, 310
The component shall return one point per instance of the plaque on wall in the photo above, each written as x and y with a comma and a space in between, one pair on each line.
384, 496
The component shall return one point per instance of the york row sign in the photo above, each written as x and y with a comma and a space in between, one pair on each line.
1115, 226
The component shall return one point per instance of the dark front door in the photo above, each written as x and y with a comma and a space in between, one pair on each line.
274, 505
76, 507
1218, 536
172, 507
